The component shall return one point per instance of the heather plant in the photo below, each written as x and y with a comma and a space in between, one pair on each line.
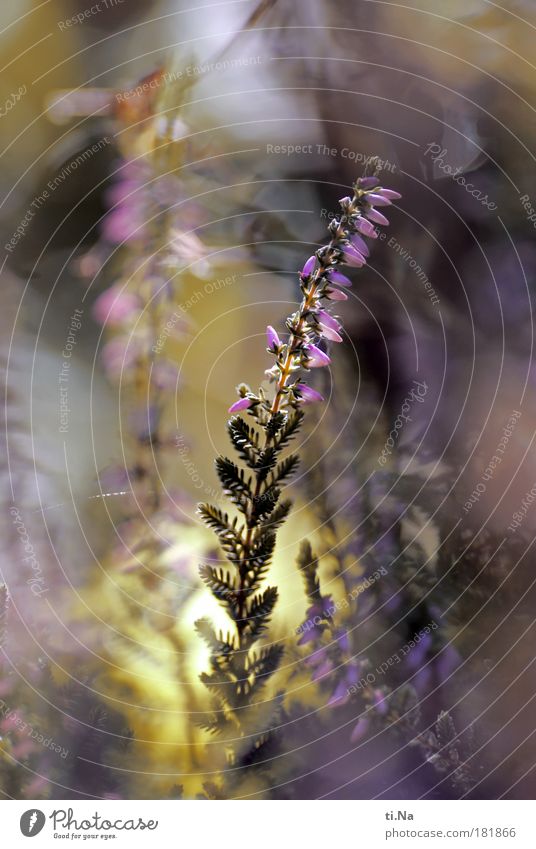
240, 668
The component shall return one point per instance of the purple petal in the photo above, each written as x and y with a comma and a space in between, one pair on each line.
338, 278
335, 295
316, 358
366, 228
307, 394
309, 266
241, 404
378, 200
377, 217
353, 257
360, 244
330, 334
368, 182
390, 194
272, 337
327, 320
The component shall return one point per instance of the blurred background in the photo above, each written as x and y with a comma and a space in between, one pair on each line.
166, 170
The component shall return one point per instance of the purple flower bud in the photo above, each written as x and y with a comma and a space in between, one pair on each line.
335, 295
316, 358
338, 278
366, 228
272, 337
368, 182
378, 200
308, 395
377, 217
359, 244
327, 320
241, 404
353, 257
330, 334
308, 268
390, 194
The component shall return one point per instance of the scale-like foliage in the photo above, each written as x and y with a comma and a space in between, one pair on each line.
276, 517
308, 565
285, 469
238, 671
289, 429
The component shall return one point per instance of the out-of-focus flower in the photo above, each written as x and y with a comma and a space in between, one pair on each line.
164, 375
315, 624
360, 730
189, 249
341, 694
120, 354
116, 306
124, 223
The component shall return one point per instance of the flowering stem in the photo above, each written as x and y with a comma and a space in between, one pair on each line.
238, 672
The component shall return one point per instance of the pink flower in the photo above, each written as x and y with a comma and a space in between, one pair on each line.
307, 394
338, 278
335, 295
316, 358
353, 257
327, 320
366, 228
360, 245
368, 182
309, 266
241, 404
116, 305
330, 334
390, 194
272, 338
378, 200
377, 217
